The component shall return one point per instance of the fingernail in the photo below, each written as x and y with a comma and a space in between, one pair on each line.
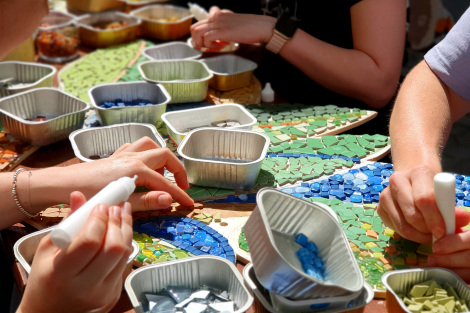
431, 261
438, 233
127, 208
164, 200
117, 211
103, 208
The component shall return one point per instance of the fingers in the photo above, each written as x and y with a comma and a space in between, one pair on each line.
462, 217
121, 148
452, 243
456, 259
142, 144
159, 199
126, 224
464, 273
86, 246
77, 199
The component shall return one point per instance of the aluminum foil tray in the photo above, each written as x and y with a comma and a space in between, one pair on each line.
155, 94
164, 22
100, 38
93, 5
224, 158
105, 140
193, 272
230, 72
31, 75
64, 114
171, 51
264, 301
269, 232
25, 248
185, 80
179, 122
401, 281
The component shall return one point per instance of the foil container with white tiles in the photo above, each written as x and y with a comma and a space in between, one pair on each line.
270, 302
155, 94
16, 77
175, 50
63, 112
224, 158
270, 231
185, 80
100, 141
401, 281
179, 122
212, 271
230, 72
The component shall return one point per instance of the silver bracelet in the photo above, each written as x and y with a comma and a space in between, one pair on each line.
15, 196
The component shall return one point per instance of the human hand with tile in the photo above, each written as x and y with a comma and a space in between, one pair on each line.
88, 275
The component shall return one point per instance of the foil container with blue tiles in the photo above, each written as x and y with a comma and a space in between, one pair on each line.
270, 231
192, 273
103, 141
99, 38
63, 113
16, 77
185, 80
164, 22
154, 97
223, 158
230, 72
175, 50
270, 302
178, 123
400, 282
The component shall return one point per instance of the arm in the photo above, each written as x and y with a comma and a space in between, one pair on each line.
369, 72
51, 186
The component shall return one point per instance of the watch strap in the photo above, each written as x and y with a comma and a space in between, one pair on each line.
276, 42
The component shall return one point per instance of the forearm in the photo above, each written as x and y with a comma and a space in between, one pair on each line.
421, 120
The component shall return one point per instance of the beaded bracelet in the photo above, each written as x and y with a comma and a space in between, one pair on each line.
15, 196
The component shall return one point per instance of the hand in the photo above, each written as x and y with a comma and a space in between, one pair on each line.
409, 207
145, 159
87, 276
226, 26
453, 252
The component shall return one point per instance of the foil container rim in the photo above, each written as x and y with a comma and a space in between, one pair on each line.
184, 81
32, 64
172, 128
252, 65
136, 21
146, 50
259, 205
150, 7
188, 137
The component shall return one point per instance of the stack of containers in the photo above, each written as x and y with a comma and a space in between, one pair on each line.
270, 232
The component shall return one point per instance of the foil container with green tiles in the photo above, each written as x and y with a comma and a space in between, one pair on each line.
156, 94
211, 271
185, 80
230, 72
16, 77
61, 114
164, 22
179, 123
99, 38
223, 158
400, 282
171, 51
270, 302
270, 231
25, 249
94, 142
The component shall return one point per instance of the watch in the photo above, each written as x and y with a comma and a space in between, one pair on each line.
284, 29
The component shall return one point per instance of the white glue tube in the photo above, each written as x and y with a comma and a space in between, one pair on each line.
444, 191
114, 193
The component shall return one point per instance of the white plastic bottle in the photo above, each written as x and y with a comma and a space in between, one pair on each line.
444, 191
114, 193
267, 94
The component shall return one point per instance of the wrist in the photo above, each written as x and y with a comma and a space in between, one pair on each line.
283, 31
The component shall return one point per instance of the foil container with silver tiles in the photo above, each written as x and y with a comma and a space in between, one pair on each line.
99, 141
171, 51
270, 231
224, 158
100, 38
154, 93
401, 281
178, 122
192, 273
64, 114
16, 77
230, 72
164, 22
270, 302
185, 80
